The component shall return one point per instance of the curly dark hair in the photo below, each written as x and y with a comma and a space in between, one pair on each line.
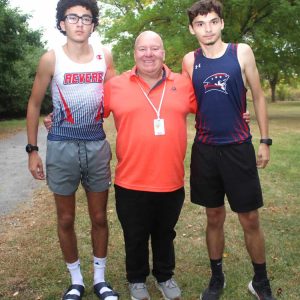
63, 5
203, 7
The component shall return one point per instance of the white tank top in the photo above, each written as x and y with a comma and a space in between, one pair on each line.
77, 96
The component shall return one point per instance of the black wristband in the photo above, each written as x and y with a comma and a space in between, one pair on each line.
266, 141
29, 148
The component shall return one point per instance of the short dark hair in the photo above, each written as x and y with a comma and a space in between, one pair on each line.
203, 7
63, 5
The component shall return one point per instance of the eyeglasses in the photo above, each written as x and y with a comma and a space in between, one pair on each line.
73, 19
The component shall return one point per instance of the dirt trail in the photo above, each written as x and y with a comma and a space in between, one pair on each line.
16, 183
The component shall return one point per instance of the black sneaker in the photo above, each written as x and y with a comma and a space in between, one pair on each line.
215, 288
261, 290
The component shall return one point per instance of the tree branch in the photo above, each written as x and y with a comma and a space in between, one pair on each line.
155, 20
255, 18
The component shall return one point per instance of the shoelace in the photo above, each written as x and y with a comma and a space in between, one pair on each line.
170, 283
138, 285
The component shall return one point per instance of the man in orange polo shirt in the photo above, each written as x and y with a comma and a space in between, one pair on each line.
150, 105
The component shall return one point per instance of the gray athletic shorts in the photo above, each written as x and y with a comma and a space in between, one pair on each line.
69, 162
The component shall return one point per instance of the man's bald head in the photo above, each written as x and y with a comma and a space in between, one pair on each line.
148, 34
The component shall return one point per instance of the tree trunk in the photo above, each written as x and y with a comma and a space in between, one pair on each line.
273, 82
273, 91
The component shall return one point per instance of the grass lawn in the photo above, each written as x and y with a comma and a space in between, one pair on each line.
31, 265
11, 127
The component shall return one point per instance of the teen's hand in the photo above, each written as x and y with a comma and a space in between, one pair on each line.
246, 117
35, 166
48, 121
263, 156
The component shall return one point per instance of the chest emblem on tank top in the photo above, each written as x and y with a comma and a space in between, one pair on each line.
216, 82
84, 77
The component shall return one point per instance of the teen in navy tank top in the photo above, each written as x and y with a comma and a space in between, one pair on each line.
223, 162
221, 97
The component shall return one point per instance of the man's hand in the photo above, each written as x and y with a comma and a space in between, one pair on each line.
35, 166
48, 121
263, 156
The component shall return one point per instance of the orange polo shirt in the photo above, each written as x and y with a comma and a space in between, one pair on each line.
147, 162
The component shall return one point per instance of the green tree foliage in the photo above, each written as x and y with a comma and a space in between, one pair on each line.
20, 49
277, 45
122, 21
271, 27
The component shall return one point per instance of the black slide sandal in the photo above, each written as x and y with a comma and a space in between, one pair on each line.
78, 287
104, 295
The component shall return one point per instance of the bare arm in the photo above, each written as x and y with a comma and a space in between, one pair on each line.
41, 82
110, 72
251, 75
188, 64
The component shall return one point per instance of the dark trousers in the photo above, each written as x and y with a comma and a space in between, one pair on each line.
144, 215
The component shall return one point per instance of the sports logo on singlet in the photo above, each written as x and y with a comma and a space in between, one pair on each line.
216, 82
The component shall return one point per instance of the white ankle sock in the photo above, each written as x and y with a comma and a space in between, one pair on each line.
99, 269
74, 269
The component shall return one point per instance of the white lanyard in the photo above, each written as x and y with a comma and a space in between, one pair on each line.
150, 102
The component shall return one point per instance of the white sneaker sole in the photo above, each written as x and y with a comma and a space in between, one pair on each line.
252, 291
132, 298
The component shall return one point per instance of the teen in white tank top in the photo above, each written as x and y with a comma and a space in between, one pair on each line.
77, 95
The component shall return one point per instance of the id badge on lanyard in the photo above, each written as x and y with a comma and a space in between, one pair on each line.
159, 127
159, 124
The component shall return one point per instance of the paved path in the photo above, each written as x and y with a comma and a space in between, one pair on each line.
16, 183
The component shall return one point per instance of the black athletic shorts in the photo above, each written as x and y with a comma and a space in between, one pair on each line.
228, 170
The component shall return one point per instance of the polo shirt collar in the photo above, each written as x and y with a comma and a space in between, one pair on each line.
167, 73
